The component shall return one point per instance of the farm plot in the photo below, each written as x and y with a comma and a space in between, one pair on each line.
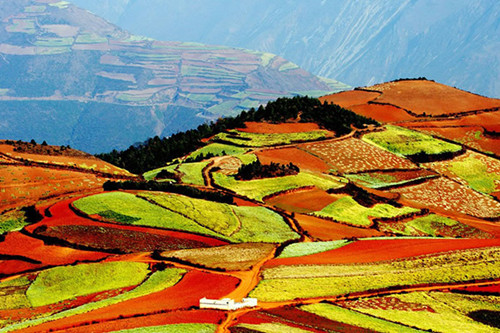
380, 179
349, 98
325, 230
171, 211
478, 171
382, 112
237, 257
432, 225
21, 185
267, 128
302, 201
259, 189
449, 196
353, 155
347, 210
407, 142
305, 249
356, 319
191, 173
217, 149
427, 97
309, 281
436, 311
300, 158
246, 139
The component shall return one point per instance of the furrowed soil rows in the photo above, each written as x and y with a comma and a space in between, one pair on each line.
354, 155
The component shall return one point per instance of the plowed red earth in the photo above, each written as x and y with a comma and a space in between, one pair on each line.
325, 230
260, 317
11, 267
186, 293
298, 157
484, 290
349, 98
432, 98
258, 127
304, 201
383, 113
174, 317
367, 251
483, 119
62, 215
19, 244
386, 303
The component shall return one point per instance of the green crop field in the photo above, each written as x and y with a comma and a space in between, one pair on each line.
304, 249
90, 38
64, 282
475, 173
259, 188
156, 282
270, 328
268, 139
11, 221
347, 210
236, 224
407, 142
13, 294
357, 319
289, 282
217, 149
449, 311
150, 175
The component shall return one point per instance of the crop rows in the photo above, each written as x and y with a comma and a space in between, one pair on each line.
268, 139
353, 155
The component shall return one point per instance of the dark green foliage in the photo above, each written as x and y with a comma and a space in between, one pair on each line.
155, 152
165, 174
256, 170
488, 317
167, 187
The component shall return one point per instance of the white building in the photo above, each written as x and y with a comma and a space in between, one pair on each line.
227, 303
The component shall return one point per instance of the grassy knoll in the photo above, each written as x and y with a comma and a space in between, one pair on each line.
174, 328
236, 224
217, 149
407, 142
157, 281
289, 282
259, 188
305, 249
347, 210
447, 312
354, 318
64, 282
268, 139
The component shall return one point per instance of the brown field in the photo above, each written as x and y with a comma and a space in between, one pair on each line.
442, 194
354, 155
298, 157
383, 113
483, 119
237, 257
302, 201
346, 99
258, 127
22, 185
84, 163
431, 98
367, 251
385, 303
324, 230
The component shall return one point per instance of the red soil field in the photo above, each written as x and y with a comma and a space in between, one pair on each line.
298, 157
367, 251
261, 317
483, 119
324, 230
23, 186
381, 112
432, 98
385, 303
391, 177
446, 195
346, 99
16, 243
489, 290
11, 267
174, 317
261, 127
186, 293
354, 155
302, 201
72, 161
62, 215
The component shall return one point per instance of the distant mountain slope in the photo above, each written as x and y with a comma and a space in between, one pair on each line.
358, 42
70, 77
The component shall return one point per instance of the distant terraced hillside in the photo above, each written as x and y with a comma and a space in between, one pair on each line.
69, 77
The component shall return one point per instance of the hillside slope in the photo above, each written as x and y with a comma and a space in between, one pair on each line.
358, 42
70, 77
